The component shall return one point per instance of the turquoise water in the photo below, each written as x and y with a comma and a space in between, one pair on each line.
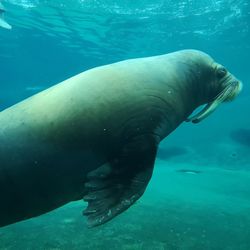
205, 207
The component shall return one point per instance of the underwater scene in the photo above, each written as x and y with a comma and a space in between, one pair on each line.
199, 195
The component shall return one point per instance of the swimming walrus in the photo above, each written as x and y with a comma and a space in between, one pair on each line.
95, 135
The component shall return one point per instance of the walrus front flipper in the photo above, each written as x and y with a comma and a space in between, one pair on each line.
115, 186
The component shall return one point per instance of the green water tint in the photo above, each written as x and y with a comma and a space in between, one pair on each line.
179, 211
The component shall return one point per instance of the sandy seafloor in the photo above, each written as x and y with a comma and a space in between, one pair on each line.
209, 210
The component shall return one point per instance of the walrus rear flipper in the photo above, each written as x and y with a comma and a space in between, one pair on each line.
115, 186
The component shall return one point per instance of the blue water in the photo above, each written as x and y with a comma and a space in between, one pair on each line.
53, 40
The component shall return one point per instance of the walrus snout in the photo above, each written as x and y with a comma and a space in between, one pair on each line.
232, 89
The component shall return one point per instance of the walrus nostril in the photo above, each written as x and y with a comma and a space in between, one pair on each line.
235, 86
235, 83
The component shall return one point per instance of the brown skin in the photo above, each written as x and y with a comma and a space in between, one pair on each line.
54, 144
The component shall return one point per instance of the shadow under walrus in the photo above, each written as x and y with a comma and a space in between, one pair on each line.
241, 136
170, 152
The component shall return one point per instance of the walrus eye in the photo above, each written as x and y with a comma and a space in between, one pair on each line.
221, 72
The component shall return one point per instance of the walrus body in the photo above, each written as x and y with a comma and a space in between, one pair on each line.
95, 135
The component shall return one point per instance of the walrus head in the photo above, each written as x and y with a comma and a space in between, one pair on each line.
222, 87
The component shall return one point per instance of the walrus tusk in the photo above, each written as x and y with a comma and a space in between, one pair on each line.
227, 94
205, 112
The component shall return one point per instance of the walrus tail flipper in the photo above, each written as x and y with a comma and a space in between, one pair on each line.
115, 186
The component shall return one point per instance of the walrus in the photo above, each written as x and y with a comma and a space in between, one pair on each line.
95, 136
